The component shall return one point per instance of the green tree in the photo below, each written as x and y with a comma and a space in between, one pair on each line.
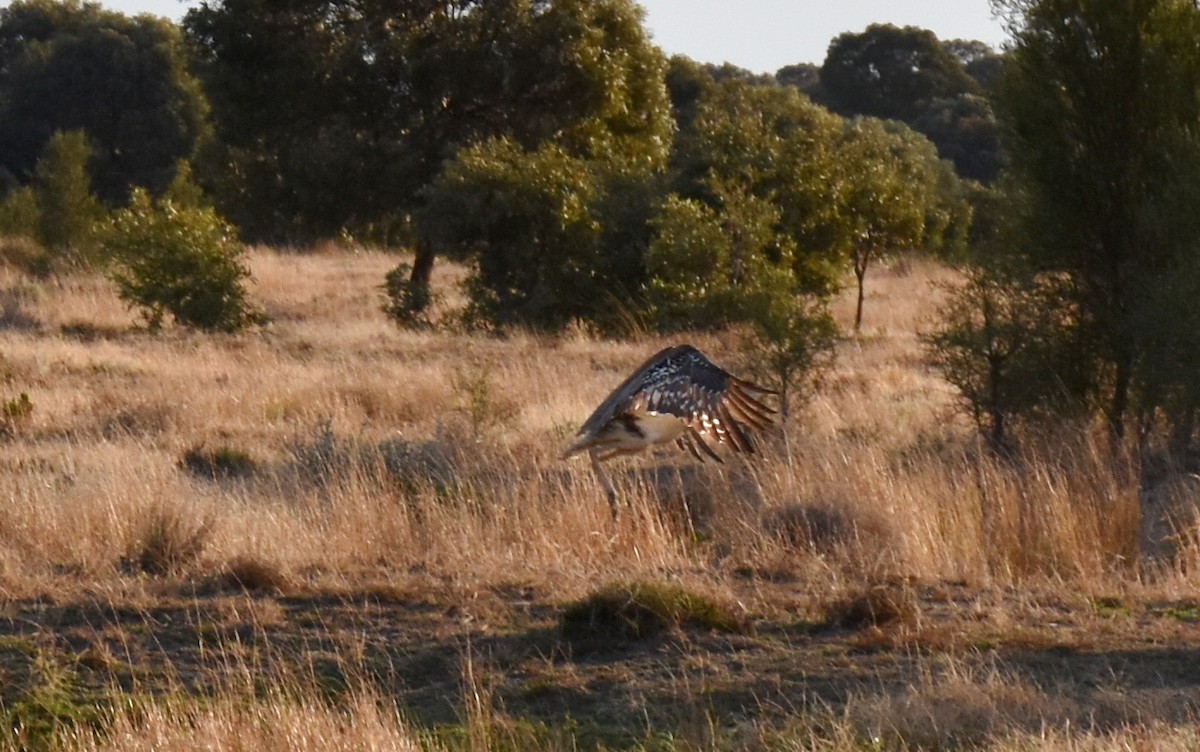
907, 74
889, 72
526, 220
780, 147
68, 211
709, 267
57, 210
733, 265
180, 260
888, 195
1101, 101
336, 116
1003, 341
67, 65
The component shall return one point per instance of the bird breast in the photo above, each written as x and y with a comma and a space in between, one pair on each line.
657, 428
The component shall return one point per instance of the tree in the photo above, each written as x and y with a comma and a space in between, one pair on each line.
67, 209
69, 65
780, 147
709, 267
1100, 100
1003, 341
887, 199
909, 75
336, 116
888, 72
713, 267
804, 77
527, 221
57, 210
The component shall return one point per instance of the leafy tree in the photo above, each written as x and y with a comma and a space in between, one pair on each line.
709, 267
732, 264
909, 75
778, 146
1101, 100
793, 344
979, 60
805, 77
1002, 340
68, 211
888, 72
181, 260
336, 116
67, 65
57, 210
965, 131
888, 197
526, 219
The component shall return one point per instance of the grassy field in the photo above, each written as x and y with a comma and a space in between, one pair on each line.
334, 534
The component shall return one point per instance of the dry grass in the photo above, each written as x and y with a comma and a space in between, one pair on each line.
276, 723
365, 464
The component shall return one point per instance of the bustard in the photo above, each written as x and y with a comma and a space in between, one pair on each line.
677, 395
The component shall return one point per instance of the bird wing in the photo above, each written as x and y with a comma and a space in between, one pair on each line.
619, 400
681, 381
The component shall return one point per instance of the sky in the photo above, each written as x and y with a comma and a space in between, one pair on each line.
760, 35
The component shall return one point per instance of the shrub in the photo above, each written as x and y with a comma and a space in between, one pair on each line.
479, 400
644, 610
68, 212
56, 215
167, 540
404, 302
15, 413
221, 462
873, 604
181, 260
1005, 342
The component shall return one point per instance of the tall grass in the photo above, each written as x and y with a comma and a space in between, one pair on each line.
365, 450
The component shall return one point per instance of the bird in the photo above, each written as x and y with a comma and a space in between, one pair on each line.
677, 395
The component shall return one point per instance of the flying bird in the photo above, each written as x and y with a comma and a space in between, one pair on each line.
677, 395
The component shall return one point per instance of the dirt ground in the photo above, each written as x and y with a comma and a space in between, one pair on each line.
980, 658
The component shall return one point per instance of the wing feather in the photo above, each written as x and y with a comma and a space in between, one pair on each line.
621, 398
682, 382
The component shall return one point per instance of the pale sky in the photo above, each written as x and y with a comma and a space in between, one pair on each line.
761, 35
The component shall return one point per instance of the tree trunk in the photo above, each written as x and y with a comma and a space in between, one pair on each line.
422, 272
861, 259
1120, 401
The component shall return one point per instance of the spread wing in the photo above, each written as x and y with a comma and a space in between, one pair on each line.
681, 381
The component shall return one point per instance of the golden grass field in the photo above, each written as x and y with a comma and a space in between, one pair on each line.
331, 533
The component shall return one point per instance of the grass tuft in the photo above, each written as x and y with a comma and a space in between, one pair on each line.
638, 611
218, 463
167, 541
873, 605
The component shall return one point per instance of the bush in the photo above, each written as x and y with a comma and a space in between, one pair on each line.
53, 220
638, 611
404, 302
14, 414
221, 462
182, 260
1004, 342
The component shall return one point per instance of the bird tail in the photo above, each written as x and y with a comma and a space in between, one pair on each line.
580, 444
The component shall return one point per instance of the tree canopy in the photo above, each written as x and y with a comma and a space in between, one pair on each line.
907, 74
1101, 101
71, 66
336, 115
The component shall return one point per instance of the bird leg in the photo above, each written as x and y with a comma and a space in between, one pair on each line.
609, 489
